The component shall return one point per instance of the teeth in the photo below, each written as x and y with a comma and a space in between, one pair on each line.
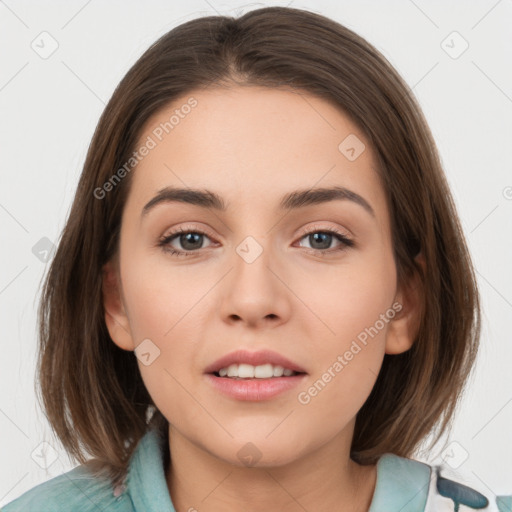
248, 371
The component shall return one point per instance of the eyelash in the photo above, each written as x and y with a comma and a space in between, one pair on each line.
345, 241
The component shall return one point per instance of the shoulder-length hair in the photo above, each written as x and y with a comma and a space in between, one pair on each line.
92, 391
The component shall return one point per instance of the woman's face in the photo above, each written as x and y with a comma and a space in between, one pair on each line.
259, 274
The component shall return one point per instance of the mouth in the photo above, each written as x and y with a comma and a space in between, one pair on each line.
254, 376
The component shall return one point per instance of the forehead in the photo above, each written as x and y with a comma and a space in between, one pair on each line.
249, 142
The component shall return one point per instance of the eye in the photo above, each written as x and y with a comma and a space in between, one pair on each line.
321, 240
190, 241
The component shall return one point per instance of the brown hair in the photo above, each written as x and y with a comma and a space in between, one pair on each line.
92, 391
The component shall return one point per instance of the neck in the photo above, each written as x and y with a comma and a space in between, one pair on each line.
323, 480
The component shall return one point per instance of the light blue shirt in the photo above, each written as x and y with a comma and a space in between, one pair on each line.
402, 485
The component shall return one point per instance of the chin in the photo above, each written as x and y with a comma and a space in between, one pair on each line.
258, 453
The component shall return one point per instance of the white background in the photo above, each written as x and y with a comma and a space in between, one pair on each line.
50, 107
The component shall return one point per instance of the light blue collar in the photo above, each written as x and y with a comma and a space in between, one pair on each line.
402, 484
146, 481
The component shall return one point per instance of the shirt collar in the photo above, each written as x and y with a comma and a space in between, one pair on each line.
402, 484
146, 481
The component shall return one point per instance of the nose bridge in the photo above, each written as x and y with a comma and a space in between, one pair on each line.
253, 257
255, 251
253, 233
253, 291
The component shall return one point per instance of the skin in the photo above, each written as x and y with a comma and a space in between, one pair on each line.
251, 145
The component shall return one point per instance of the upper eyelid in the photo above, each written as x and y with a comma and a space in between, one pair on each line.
188, 229
315, 228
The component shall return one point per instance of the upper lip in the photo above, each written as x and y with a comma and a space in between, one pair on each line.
260, 357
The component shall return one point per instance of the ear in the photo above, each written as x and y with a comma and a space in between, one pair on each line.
404, 326
116, 318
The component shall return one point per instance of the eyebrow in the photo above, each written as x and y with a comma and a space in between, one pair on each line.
290, 201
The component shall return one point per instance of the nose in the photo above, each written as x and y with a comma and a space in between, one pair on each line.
254, 291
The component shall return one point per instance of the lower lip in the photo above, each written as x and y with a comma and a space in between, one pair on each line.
254, 389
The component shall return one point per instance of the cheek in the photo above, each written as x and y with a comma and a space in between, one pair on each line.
350, 297
158, 295
161, 315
